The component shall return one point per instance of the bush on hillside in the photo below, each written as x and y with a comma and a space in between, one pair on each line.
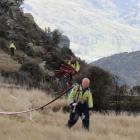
53, 59
34, 71
3, 44
56, 37
66, 53
3, 29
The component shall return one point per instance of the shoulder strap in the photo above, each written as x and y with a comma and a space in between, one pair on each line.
84, 90
78, 93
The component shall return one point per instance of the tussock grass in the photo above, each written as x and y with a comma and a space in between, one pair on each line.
49, 125
7, 63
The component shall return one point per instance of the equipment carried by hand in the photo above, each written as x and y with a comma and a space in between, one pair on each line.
76, 101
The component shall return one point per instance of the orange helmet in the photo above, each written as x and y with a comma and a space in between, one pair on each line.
85, 82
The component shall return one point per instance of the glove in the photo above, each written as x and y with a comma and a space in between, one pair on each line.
72, 105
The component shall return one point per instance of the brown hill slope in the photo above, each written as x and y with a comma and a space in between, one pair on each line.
7, 63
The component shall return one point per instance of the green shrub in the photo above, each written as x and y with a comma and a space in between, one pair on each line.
3, 44
66, 53
34, 70
56, 37
53, 60
3, 30
30, 52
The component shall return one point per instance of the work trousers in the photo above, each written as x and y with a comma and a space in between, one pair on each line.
12, 51
82, 111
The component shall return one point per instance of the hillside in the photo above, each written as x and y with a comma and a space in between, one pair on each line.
50, 125
34, 46
124, 65
7, 63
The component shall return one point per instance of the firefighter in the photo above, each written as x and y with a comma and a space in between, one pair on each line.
75, 68
81, 104
74, 64
12, 48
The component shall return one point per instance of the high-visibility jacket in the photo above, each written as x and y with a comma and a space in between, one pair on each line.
12, 45
76, 65
84, 96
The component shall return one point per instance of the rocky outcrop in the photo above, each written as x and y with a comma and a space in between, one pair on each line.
64, 42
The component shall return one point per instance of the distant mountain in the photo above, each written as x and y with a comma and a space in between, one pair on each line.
124, 65
96, 28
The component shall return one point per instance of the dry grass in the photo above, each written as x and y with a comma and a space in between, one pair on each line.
47, 125
7, 63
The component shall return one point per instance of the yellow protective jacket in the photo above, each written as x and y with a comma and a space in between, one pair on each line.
12, 45
76, 66
84, 96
